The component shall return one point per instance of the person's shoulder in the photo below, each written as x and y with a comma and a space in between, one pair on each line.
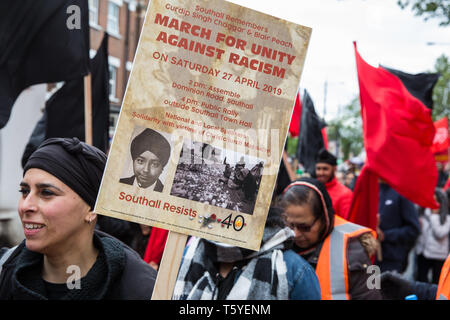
8, 262
302, 279
3, 251
358, 254
129, 180
138, 277
291, 255
134, 262
294, 262
8, 254
159, 186
344, 189
392, 194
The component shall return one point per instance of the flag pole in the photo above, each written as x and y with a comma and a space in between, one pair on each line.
88, 109
289, 170
169, 266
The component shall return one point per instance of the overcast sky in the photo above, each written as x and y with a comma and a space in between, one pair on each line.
385, 34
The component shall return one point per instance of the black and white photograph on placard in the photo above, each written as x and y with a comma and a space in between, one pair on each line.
217, 177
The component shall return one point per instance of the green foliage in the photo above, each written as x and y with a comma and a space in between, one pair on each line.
346, 129
441, 92
291, 147
439, 9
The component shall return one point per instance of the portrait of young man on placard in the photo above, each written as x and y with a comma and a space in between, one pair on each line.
150, 153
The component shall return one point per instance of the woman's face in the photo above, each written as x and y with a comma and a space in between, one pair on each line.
307, 228
147, 168
52, 214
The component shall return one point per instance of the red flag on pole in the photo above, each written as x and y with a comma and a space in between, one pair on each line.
364, 207
325, 137
294, 126
155, 245
398, 133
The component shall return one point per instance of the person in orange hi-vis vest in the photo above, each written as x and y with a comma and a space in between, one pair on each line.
443, 290
339, 251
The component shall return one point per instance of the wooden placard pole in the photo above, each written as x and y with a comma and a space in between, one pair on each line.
88, 109
173, 253
226, 82
169, 266
289, 170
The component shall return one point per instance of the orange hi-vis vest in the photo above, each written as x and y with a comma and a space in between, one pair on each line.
443, 291
332, 265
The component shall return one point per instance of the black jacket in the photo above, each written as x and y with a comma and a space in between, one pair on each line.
130, 180
118, 273
399, 222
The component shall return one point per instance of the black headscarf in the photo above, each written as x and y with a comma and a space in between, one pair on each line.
77, 164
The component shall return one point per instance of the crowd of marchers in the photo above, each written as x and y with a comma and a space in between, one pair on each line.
309, 248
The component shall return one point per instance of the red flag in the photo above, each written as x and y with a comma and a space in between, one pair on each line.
155, 245
398, 133
364, 208
294, 126
447, 184
441, 140
325, 137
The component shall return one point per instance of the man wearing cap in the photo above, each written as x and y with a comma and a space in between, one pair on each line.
150, 152
341, 196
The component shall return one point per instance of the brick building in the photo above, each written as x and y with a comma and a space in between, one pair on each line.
122, 20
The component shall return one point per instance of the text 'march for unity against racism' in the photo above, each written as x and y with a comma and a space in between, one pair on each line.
204, 120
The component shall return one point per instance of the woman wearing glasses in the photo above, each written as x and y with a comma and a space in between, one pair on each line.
338, 250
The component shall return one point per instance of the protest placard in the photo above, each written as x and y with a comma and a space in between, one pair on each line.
204, 120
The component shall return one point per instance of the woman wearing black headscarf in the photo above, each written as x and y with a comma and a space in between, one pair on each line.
337, 249
62, 256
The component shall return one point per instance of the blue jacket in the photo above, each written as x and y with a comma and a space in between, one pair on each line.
399, 222
302, 279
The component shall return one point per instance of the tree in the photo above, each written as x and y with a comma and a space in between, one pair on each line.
441, 91
346, 129
439, 9
291, 146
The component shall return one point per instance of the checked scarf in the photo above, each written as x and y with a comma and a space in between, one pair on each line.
263, 276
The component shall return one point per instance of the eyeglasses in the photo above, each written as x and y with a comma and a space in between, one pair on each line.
302, 227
